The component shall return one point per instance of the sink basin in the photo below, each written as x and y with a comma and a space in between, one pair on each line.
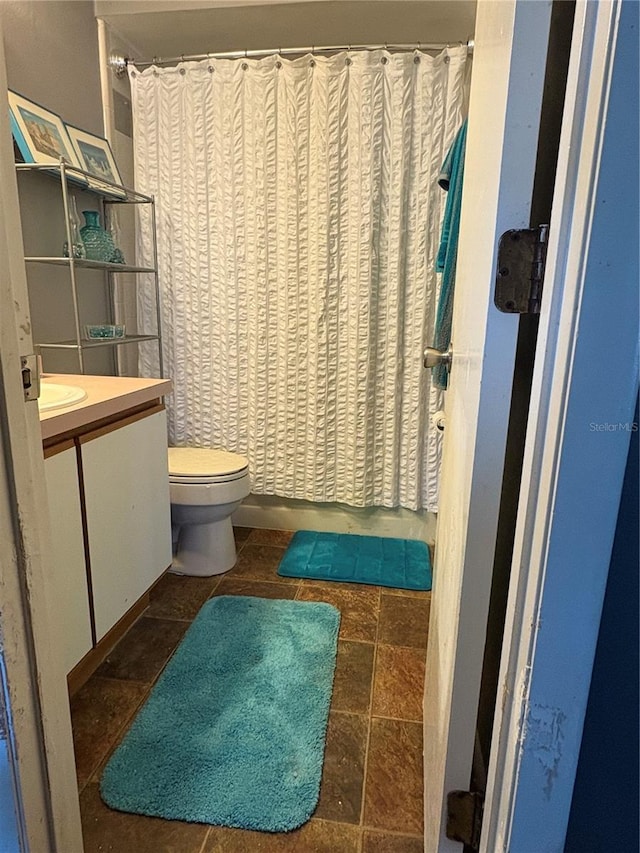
53, 396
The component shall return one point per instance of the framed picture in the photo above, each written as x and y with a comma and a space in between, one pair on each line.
40, 135
95, 156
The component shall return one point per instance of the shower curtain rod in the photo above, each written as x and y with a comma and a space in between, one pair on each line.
118, 64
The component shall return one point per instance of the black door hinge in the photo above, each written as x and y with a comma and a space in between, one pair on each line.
522, 254
464, 817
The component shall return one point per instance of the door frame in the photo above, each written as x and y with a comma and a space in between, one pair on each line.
562, 550
36, 688
507, 84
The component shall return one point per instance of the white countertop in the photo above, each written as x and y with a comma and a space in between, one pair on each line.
106, 396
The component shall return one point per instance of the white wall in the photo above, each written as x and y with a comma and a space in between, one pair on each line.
270, 25
127, 7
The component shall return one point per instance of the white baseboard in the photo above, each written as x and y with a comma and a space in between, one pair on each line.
267, 511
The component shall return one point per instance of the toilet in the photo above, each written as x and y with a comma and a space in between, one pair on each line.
205, 487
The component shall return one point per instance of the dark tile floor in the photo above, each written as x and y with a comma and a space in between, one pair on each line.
371, 793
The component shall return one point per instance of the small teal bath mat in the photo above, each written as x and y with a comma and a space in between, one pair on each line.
233, 732
399, 563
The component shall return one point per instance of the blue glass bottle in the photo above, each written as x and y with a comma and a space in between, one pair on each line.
98, 243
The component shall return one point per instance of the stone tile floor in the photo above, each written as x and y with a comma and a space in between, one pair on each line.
371, 793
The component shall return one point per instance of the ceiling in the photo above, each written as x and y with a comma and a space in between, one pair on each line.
174, 29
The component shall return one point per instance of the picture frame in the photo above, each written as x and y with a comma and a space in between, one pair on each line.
95, 156
41, 135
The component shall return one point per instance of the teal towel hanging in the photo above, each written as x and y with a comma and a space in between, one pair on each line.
450, 179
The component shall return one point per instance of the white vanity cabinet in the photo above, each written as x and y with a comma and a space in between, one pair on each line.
126, 495
107, 478
70, 612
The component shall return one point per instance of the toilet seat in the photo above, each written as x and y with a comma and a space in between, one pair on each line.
208, 481
201, 466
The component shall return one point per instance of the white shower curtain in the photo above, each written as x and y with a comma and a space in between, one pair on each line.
298, 224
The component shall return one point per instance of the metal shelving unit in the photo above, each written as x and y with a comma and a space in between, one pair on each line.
110, 193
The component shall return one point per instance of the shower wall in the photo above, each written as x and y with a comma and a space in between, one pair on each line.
265, 511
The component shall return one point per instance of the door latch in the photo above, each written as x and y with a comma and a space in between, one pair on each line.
522, 255
433, 357
30, 369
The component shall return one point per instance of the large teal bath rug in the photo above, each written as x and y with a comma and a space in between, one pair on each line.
233, 733
399, 563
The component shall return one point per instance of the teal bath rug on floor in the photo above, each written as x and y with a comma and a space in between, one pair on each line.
233, 733
399, 563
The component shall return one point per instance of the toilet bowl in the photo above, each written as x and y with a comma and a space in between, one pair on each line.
205, 487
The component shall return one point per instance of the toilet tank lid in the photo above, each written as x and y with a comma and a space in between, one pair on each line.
204, 462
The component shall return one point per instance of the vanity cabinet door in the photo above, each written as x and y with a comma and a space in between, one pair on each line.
126, 486
71, 622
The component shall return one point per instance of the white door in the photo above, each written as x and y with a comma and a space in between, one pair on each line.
31, 673
509, 63
580, 423
504, 115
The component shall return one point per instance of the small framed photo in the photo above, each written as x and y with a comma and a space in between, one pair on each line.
40, 135
95, 156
